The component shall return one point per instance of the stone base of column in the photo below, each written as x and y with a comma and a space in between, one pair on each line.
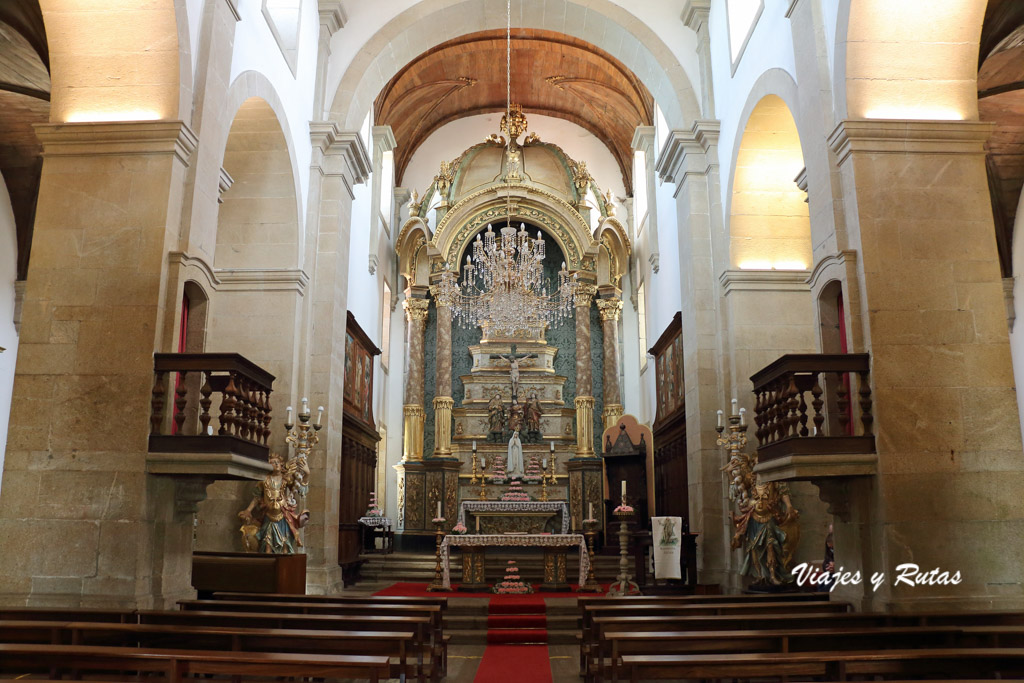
586, 487
323, 580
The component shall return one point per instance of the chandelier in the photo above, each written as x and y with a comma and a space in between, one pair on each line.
503, 284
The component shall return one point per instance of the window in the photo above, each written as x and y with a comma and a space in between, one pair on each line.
385, 326
283, 19
742, 16
641, 314
639, 191
387, 173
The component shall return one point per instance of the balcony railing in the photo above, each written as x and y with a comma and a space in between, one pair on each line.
183, 397
814, 405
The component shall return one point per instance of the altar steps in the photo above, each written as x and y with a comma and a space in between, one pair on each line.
474, 622
417, 567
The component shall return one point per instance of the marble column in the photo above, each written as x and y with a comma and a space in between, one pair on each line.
611, 309
443, 402
584, 378
412, 406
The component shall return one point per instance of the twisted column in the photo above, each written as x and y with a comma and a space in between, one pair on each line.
610, 310
412, 408
584, 378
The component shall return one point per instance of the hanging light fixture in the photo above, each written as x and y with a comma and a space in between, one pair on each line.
503, 283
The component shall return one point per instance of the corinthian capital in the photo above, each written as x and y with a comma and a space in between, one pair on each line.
585, 294
609, 308
416, 309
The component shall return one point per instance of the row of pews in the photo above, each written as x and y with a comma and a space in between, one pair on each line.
790, 637
236, 635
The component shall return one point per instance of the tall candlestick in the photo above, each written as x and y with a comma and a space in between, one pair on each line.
623, 488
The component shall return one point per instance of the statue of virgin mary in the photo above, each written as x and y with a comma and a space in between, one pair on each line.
515, 456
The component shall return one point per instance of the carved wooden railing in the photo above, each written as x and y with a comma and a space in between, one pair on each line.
183, 396
814, 404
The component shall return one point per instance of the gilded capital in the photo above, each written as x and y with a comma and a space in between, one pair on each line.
610, 308
585, 294
416, 309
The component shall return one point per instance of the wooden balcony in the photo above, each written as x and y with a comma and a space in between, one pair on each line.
813, 417
210, 416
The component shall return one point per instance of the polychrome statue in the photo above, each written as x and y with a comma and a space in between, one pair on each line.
270, 524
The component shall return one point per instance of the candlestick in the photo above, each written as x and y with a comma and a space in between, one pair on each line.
544, 463
305, 406
478, 525
319, 416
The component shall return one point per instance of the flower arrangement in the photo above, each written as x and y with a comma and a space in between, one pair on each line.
512, 584
439, 520
459, 528
515, 493
373, 510
623, 510
533, 472
498, 471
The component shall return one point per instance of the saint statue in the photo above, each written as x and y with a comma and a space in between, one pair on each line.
270, 523
533, 414
515, 415
515, 456
496, 417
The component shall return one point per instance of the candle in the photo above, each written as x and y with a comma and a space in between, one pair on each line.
439, 509
623, 488
743, 420
734, 402
474, 445
478, 525
319, 416
719, 418
288, 417
483, 463
590, 514
544, 463
305, 406
552, 446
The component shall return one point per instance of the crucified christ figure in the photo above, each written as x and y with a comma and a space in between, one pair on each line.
513, 359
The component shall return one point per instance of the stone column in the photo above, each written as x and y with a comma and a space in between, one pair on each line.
92, 528
696, 15
947, 491
412, 406
339, 162
690, 160
443, 402
584, 378
611, 309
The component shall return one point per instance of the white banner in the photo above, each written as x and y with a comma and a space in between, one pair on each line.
667, 546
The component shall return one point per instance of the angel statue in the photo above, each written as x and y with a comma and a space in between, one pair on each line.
270, 523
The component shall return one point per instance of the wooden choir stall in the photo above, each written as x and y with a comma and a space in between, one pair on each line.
358, 446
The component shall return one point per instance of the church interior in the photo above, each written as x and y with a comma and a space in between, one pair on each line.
511, 340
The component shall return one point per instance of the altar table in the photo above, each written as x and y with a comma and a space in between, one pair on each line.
554, 556
527, 507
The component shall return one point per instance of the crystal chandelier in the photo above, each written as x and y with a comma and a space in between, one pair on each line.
503, 284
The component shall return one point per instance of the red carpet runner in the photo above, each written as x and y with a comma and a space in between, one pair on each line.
514, 623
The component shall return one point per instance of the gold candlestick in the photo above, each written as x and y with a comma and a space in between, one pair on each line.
438, 583
474, 479
547, 474
591, 585
483, 481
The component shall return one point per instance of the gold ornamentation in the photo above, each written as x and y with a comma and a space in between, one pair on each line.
495, 139
609, 308
532, 139
513, 121
416, 309
444, 178
585, 294
580, 176
609, 203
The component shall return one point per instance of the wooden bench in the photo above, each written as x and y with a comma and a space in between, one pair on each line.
626, 643
19, 658
375, 599
394, 645
941, 663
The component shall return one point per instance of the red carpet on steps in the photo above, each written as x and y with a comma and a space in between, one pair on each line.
517, 619
514, 664
414, 589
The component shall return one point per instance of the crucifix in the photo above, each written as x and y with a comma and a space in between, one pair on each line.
513, 359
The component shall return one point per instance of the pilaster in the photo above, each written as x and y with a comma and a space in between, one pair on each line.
696, 16
643, 141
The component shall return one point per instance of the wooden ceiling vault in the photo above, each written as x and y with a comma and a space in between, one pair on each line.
552, 74
1001, 101
24, 100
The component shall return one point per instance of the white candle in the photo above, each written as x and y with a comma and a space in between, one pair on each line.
623, 488
743, 420
483, 463
552, 446
319, 416
590, 515
288, 416
438, 508
544, 463
305, 406
474, 445
719, 418
734, 402
478, 525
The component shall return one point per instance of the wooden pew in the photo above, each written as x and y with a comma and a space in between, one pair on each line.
375, 599
121, 616
942, 663
394, 645
595, 615
626, 643
21, 658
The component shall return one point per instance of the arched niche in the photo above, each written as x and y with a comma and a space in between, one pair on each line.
413, 262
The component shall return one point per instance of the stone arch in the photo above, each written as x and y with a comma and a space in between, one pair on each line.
403, 38
769, 221
413, 263
258, 223
613, 252
908, 60
141, 46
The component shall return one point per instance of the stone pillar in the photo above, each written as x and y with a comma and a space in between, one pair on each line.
339, 162
412, 407
92, 528
947, 491
690, 160
584, 378
611, 309
443, 402
696, 15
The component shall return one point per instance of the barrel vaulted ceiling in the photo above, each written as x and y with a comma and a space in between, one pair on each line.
552, 74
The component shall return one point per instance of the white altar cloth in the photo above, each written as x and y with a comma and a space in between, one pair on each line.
513, 540
509, 506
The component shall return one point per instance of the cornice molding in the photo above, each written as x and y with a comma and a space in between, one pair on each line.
224, 183
384, 138
643, 139
695, 14
332, 16
887, 136
329, 141
116, 138
244, 279
825, 265
672, 161
765, 281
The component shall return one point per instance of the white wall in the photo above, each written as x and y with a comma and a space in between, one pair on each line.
8, 336
452, 139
